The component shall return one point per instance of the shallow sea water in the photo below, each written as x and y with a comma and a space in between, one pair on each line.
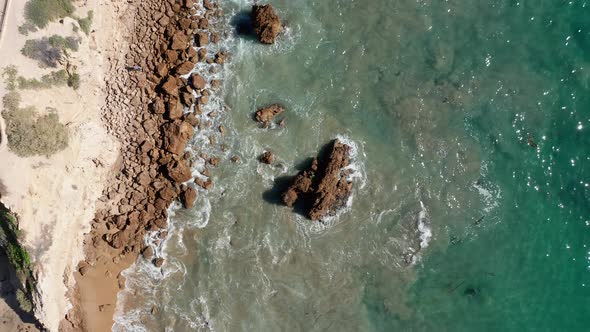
471, 210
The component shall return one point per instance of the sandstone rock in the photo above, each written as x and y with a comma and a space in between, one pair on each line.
171, 56
119, 239
185, 68
202, 39
162, 69
188, 196
179, 41
198, 82
178, 171
158, 106
83, 268
208, 5
220, 57
167, 194
174, 108
204, 184
267, 158
187, 99
266, 114
267, 24
203, 23
192, 119
148, 252
170, 86
176, 135
324, 186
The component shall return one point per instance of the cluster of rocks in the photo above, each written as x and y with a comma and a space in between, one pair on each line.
264, 116
145, 110
324, 187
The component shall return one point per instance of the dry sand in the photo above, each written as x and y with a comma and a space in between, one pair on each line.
55, 197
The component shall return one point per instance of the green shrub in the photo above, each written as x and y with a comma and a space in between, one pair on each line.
49, 51
18, 256
27, 27
11, 101
86, 23
9, 74
41, 12
23, 301
30, 134
68, 43
56, 78
74, 81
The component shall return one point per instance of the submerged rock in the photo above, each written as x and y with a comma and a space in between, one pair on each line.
267, 158
323, 187
265, 115
267, 24
158, 262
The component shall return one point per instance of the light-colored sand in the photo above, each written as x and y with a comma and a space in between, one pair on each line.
55, 197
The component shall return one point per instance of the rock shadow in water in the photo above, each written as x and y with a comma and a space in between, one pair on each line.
243, 25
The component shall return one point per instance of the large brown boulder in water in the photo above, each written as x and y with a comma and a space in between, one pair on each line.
324, 186
267, 24
265, 115
188, 196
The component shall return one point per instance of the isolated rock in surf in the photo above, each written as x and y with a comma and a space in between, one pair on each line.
267, 158
323, 187
265, 115
267, 24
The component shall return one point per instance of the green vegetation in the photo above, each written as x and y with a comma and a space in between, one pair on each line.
40, 12
27, 27
74, 81
56, 78
28, 133
86, 23
10, 74
49, 51
68, 43
23, 301
18, 257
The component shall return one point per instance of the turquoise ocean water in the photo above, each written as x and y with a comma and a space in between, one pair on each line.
471, 209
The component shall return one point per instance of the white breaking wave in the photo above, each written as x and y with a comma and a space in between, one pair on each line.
423, 227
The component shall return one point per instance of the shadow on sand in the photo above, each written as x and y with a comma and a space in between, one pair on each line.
8, 289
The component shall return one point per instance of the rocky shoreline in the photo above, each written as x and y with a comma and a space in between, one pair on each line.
153, 110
